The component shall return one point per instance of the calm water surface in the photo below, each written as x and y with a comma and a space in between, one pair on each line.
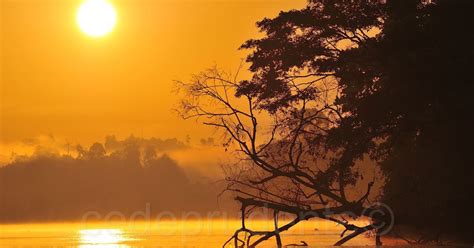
199, 234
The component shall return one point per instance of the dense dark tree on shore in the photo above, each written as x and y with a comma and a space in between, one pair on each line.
342, 80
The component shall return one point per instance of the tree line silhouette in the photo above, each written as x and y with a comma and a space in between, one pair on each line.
120, 175
342, 81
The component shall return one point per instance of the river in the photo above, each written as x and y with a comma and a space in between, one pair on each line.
194, 233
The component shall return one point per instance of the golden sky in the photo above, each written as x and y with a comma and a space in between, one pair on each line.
57, 81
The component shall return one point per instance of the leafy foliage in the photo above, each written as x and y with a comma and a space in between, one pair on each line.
402, 70
342, 80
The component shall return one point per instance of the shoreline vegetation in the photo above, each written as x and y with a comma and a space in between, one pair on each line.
118, 178
341, 81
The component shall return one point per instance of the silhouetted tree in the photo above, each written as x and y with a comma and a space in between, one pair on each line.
341, 80
96, 151
284, 166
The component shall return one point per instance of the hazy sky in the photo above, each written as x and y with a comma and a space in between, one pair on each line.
56, 80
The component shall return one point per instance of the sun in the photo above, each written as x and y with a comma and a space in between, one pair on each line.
96, 18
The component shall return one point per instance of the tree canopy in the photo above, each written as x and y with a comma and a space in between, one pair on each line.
404, 85
346, 79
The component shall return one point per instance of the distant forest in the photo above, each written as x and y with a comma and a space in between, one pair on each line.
119, 175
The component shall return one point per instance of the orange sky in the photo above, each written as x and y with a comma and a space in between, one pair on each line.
56, 80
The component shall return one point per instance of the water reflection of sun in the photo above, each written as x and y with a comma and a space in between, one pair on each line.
101, 238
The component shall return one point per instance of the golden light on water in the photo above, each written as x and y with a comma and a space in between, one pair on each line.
104, 246
101, 238
189, 233
96, 18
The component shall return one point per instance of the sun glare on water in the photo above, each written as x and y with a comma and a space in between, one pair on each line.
96, 18
103, 237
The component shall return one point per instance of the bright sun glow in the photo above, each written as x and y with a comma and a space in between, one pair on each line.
96, 17
101, 236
